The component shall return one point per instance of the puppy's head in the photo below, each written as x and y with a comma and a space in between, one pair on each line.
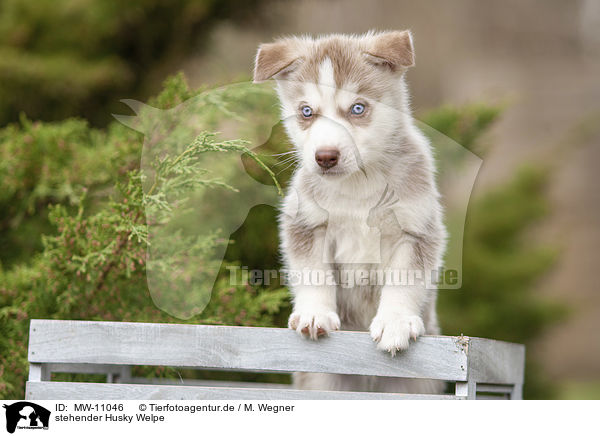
343, 97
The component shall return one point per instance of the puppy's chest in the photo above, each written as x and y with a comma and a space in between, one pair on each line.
350, 239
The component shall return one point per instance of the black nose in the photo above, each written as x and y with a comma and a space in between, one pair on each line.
327, 157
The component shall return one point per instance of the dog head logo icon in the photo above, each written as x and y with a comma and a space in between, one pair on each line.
24, 414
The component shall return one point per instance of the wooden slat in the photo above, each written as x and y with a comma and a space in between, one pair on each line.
208, 383
103, 391
494, 389
492, 397
84, 368
496, 362
240, 348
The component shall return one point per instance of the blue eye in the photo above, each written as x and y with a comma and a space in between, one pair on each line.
306, 111
358, 109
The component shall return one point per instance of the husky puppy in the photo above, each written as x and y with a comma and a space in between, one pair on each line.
362, 198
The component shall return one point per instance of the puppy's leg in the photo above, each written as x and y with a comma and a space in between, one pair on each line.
399, 316
314, 291
411, 385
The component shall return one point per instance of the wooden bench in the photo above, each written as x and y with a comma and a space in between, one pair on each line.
479, 368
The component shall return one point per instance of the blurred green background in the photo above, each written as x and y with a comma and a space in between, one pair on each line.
514, 83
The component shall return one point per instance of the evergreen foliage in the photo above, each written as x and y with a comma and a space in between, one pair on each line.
61, 58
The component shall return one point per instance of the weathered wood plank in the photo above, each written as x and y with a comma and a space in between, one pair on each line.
84, 368
493, 397
495, 362
240, 348
208, 383
102, 391
494, 389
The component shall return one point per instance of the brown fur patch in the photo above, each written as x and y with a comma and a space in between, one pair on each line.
426, 247
352, 59
274, 58
349, 66
300, 237
395, 49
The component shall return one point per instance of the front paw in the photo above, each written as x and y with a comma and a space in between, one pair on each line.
393, 332
314, 323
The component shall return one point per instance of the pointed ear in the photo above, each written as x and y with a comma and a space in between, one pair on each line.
275, 59
392, 49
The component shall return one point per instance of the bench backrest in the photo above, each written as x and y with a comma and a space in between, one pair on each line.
474, 364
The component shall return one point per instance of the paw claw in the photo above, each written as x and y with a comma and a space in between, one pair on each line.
393, 332
314, 324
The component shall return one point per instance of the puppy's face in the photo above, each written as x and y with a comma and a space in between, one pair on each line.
341, 96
